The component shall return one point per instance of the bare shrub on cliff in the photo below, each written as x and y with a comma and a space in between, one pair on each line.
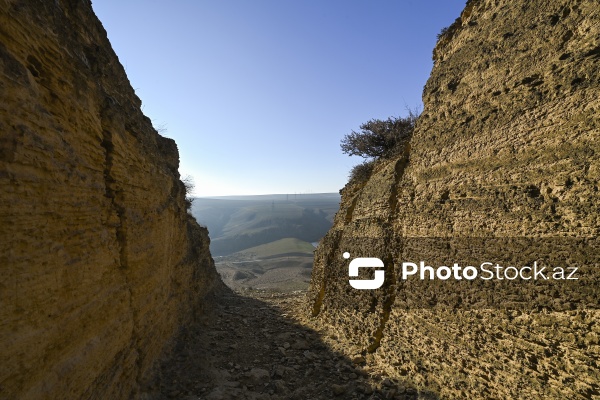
188, 184
361, 172
380, 138
443, 31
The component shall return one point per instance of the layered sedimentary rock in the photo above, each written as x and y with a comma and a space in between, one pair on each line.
503, 167
100, 261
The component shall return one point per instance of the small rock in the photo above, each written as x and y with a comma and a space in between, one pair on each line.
338, 390
257, 376
223, 374
358, 360
301, 344
280, 387
284, 336
279, 371
216, 394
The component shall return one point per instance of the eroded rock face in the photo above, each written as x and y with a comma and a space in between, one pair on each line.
100, 261
504, 165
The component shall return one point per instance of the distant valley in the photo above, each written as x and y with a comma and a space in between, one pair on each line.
266, 242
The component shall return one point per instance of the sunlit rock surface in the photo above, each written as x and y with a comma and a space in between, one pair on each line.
503, 166
101, 263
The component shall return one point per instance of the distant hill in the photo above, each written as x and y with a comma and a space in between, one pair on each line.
236, 223
281, 247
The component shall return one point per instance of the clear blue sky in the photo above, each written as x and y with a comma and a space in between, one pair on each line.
258, 93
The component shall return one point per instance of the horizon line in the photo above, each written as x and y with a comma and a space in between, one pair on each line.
267, 194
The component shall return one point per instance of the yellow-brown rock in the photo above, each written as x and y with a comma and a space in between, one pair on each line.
100, 262
504, 163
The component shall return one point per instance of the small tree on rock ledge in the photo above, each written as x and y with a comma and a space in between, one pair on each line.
376, 139
379, 138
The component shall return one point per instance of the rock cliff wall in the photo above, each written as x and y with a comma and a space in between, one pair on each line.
100, 261
503, 166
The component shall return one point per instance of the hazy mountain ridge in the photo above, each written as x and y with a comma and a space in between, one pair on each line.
266, 242
240, 222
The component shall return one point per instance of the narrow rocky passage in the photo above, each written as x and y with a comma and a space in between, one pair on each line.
253, 346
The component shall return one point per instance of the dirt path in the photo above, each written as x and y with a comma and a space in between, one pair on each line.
254, 348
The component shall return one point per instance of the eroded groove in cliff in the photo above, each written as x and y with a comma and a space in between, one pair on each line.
390, 298
350, 210
113, 194
318, 304
390, 279
116, 198
399, 168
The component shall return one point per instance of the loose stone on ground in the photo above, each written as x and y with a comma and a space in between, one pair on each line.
254, 347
